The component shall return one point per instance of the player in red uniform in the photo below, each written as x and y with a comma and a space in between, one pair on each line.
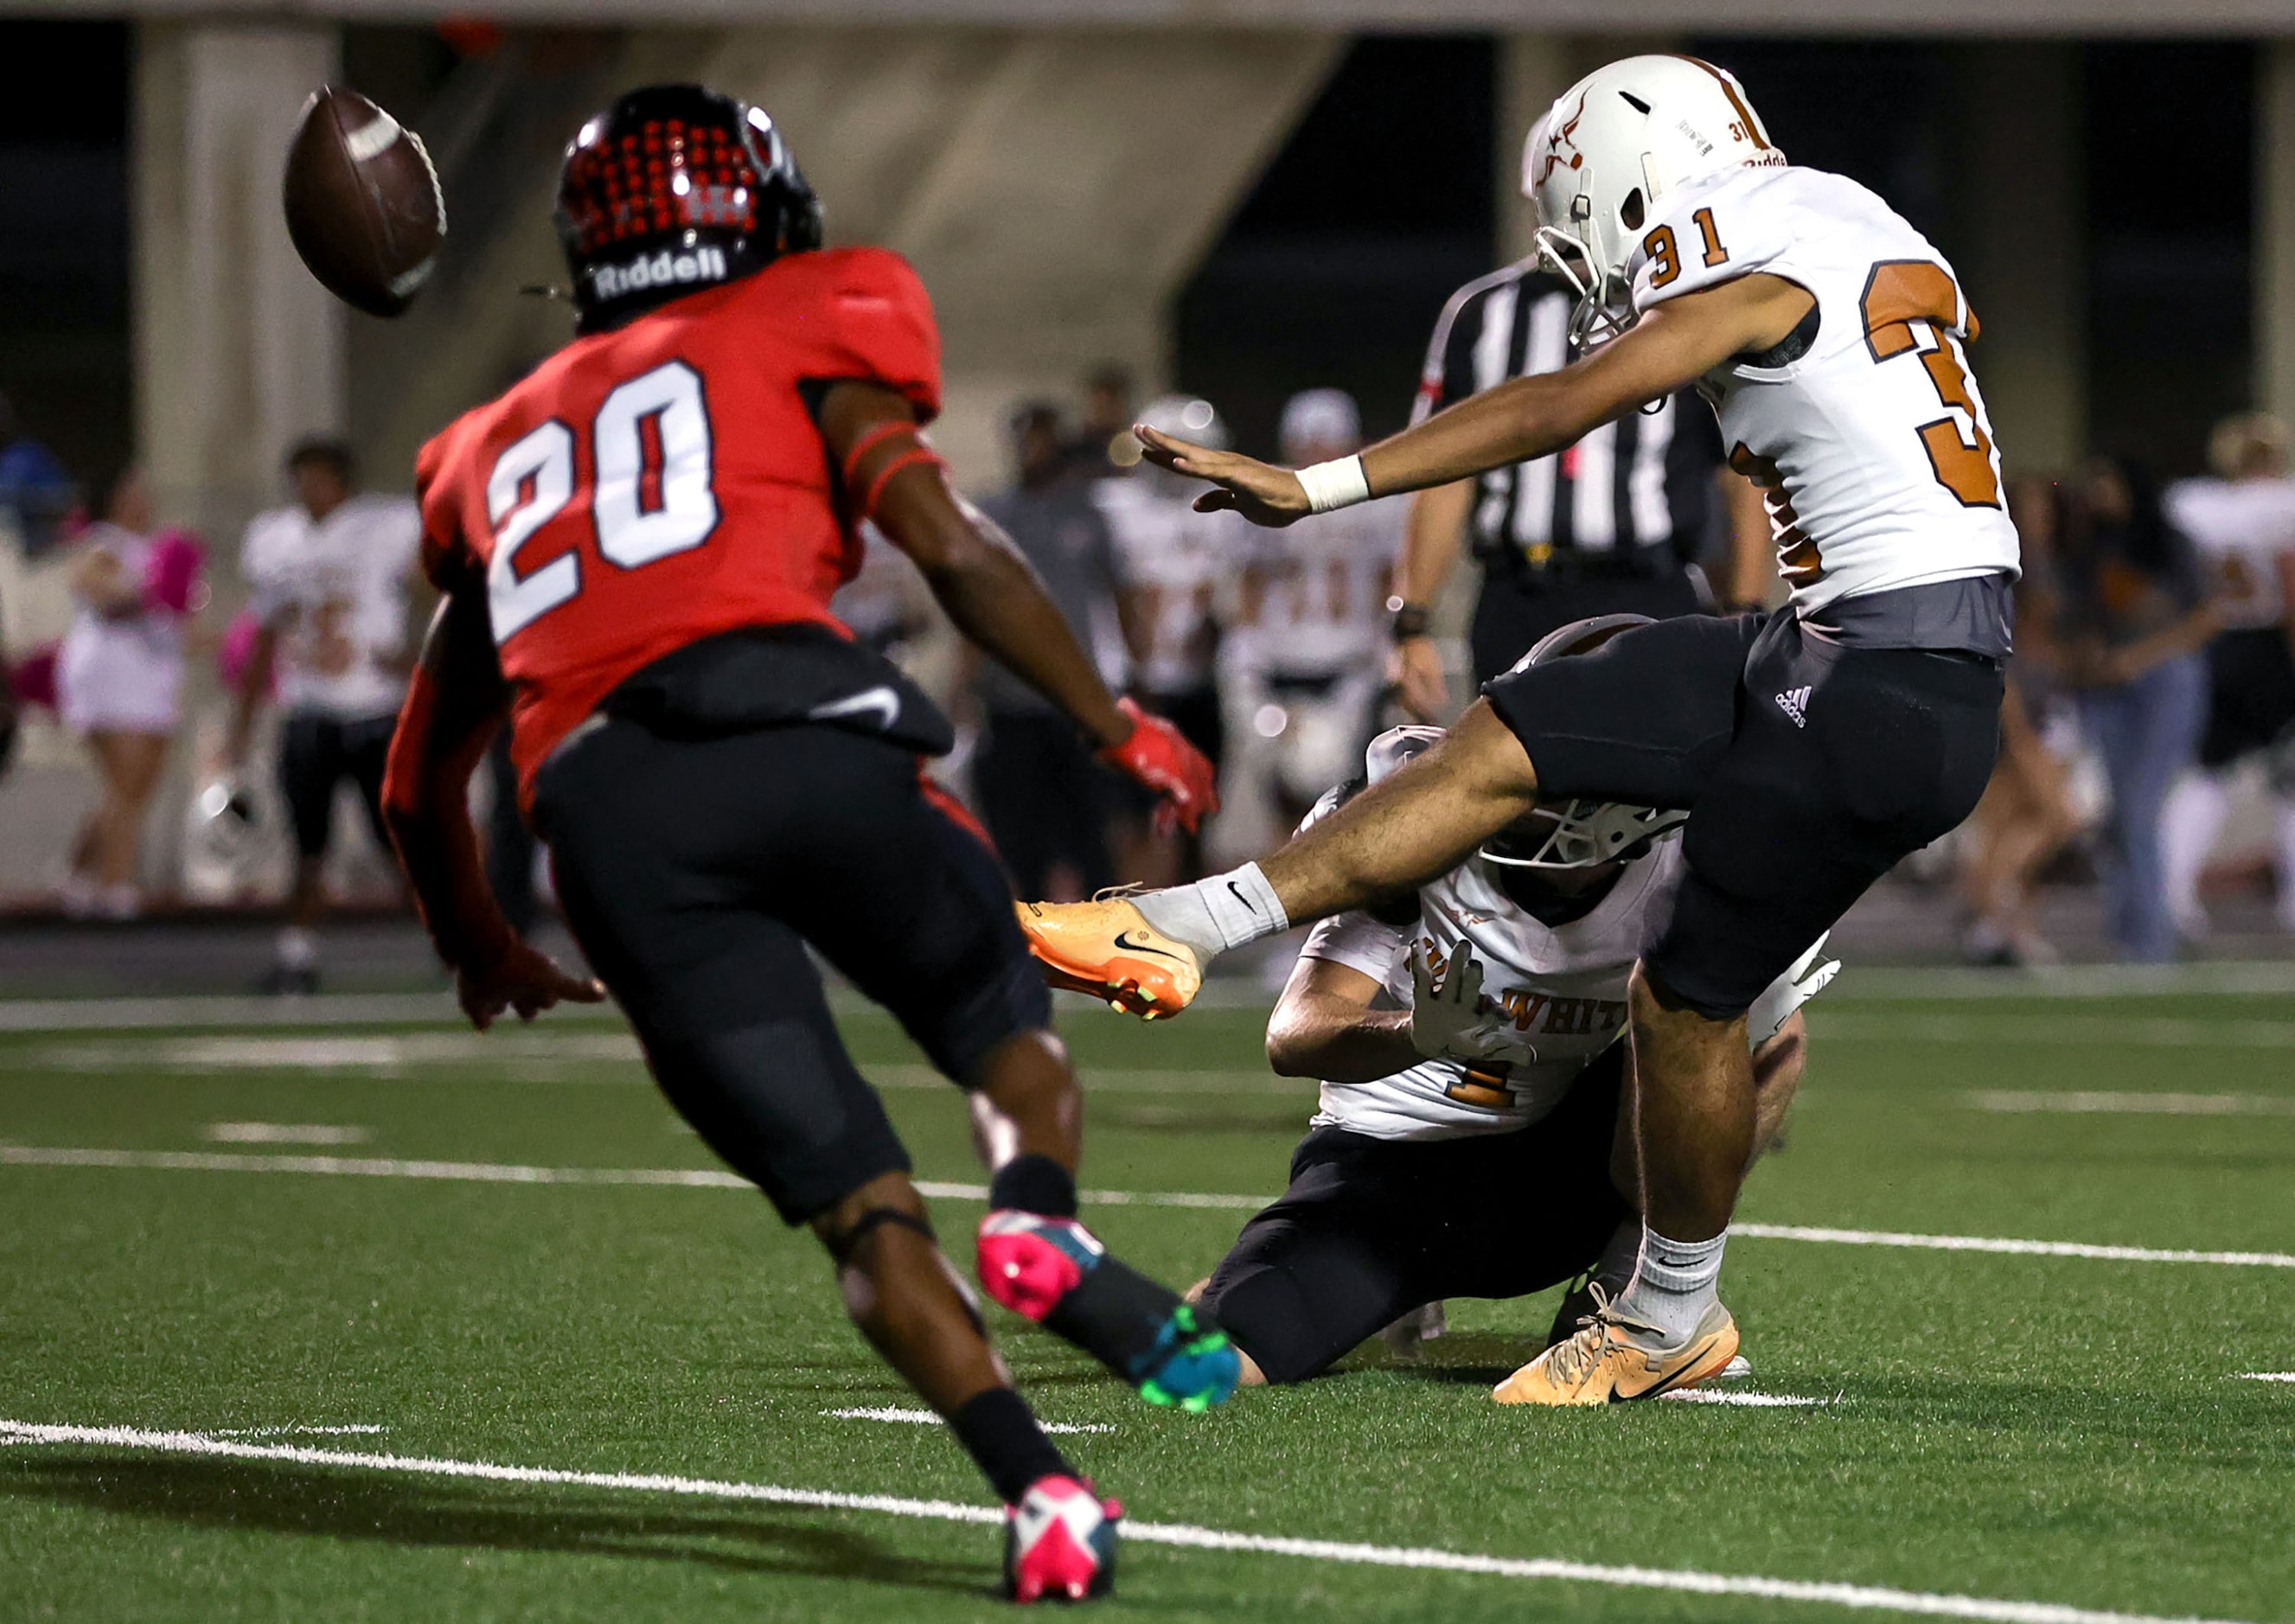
637, 546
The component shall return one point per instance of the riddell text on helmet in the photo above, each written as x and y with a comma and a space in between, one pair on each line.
658, 271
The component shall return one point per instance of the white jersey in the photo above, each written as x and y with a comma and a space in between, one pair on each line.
1176, 562
1872, 447
335, 592
1564, 985
120, 672
2244, 530
1315, 599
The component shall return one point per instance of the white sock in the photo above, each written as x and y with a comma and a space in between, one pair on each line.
1675, 1283
2189, 822
1213, 915
298, 949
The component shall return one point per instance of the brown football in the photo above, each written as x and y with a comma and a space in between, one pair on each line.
362, 202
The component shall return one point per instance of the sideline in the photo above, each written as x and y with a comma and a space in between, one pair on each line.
1870, 1597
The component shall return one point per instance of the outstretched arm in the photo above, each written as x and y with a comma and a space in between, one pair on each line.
455, 704
1668, 349
990, 593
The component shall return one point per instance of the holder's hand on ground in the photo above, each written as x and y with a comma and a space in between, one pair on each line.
1158, 756
1262, 493
1447, 1022
518, 978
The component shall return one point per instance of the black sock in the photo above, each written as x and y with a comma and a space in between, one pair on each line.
1000, 1432
1115, 1313
1034, 1184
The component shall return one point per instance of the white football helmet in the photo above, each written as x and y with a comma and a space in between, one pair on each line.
1581, 834
1607, 153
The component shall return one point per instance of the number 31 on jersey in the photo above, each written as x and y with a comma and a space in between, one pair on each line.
653, 497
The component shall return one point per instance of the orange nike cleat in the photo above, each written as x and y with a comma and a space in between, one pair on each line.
1107, 948
1612, 1359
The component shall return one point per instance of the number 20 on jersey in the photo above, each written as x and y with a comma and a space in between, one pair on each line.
654, 497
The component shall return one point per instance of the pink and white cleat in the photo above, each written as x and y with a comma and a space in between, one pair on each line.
1059, 1541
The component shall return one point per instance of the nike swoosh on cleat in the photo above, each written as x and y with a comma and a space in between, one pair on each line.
1124, 940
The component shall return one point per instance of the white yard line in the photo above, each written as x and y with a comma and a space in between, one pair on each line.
1984, 1243
2268, 1375
1751, 1400
717, 1178
297, 1432
1876, 984
2070, 1030
925, 1418
284, 1133
1690, 1581
2100, 1102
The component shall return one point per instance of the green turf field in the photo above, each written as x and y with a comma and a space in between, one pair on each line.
2003, 1428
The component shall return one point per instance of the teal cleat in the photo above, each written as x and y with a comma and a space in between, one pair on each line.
1191, 1366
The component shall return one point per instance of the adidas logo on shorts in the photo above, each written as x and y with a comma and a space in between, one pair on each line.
1794, 703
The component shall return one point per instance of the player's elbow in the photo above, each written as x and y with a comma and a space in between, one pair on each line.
1297, 1040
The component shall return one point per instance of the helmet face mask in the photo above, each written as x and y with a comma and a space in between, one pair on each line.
674, 189
1580, 834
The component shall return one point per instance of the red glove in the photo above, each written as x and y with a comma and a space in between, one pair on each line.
1158, 756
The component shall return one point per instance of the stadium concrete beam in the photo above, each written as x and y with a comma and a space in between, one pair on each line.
2274, 232
1807, 17
1054, 189
2023, 267
238, 352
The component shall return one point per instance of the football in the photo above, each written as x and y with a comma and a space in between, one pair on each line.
364, 206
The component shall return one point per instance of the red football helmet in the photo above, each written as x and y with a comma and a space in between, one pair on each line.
674, 189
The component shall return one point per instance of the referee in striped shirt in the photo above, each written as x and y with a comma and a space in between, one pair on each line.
1613, 524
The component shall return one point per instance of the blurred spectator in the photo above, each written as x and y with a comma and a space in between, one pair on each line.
330, 575
1177, 566
2028, 814
34, 487
1612, 524
2133, 617
1037, 788
1301, 669
1091, 450
118, 680
2243, 521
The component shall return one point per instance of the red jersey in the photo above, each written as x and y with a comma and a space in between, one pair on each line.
665, 482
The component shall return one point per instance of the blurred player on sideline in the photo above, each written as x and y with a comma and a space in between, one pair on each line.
1470, 1044
638, 543
1301, 669
330, 575
1178, 570
2243, 522
1815, 746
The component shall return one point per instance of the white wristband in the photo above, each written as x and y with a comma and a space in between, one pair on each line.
1335, 485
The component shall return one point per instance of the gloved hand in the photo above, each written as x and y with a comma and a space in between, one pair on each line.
1798, 985
1449, 1022
1159, 756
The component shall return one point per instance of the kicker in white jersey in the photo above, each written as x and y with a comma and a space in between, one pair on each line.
1871, 443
